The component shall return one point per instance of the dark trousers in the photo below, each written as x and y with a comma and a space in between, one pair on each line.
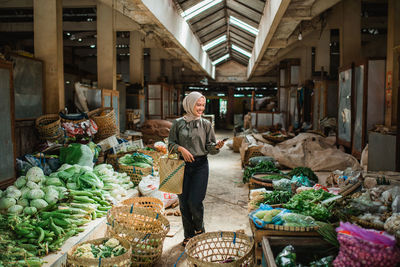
193, 193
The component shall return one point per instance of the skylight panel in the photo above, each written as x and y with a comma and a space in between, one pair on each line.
220, 59
214, 43
241, 50
199, 8
243, 25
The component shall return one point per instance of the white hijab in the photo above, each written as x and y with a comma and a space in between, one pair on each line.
189, 103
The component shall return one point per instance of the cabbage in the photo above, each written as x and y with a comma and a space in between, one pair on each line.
62, 192
24, 192
35, 194
30, 210
64, 167
15, 193
23, 202
39, 203
53, 174
16, 209
77, 154
51, 196
35, 174
6, 202
11, 188
20, 182
32, 185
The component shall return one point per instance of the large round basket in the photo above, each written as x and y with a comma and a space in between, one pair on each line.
151, 203
143, 228
119, 261
48, 126
136, 173
214, 248
106, 121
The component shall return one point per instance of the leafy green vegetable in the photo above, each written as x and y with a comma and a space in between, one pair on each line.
6, 202
35, 174
307, 203
39, 203
20, 182
277, 197
262, 167
305, 171
286, 258
137, 159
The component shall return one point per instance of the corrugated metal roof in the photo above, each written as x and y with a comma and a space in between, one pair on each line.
214, 23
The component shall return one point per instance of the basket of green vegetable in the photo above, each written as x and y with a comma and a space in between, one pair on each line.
143, 228
108, 252
136, 165
268, 177
154, 154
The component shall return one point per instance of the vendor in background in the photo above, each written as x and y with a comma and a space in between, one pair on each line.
194, 138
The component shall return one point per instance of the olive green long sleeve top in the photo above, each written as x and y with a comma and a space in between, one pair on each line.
196, 136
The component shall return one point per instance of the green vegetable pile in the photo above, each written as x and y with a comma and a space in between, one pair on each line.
308, 203
277, 197
304, 171
110, 248
42, 212
288, 258
137, 160
273, 177
262, 167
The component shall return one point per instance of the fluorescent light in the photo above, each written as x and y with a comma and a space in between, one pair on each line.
199, 8
241, 50
214, 43
220, 59
243, 25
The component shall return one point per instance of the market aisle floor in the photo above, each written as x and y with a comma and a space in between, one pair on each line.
225, 204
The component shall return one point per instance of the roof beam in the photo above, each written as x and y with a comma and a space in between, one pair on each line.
272, 15
278, 43
167, 17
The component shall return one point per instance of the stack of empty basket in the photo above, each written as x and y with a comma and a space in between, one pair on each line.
143, 226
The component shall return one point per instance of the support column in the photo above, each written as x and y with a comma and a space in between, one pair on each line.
231, 106
106, 42
48, 47
136, 43
305, 67
392, 65
322, 51
350, 32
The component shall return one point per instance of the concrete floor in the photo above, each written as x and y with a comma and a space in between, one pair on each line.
225, 204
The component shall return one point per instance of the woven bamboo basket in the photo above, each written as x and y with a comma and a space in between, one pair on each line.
48, 126
136, 173
366, 224
143, 228
119, 261
151, 203
253, 151
155, 155
214, 248
113, 159
237, 142
106, 122
290, 228
350, 188
275, 139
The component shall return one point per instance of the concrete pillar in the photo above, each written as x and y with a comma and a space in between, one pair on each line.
350, 32
48, 47
231, 106
136, 42
392, 65
106, 50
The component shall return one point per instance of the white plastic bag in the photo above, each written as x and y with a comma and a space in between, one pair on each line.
167, 198
149, 184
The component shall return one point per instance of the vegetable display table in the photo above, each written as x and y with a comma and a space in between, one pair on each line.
258, 235
94, 229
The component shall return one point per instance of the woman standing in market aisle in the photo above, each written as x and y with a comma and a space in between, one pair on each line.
193, 137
